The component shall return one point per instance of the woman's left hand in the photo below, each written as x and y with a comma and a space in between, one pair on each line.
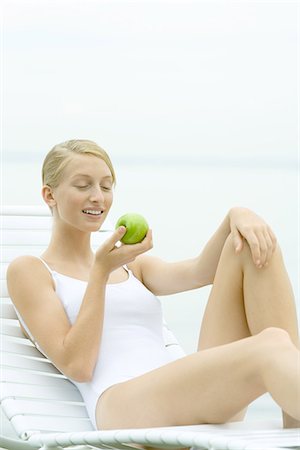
245, 224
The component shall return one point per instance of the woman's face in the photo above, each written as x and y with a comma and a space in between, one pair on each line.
85, 193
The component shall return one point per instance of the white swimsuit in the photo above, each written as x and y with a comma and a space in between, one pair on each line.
132, 338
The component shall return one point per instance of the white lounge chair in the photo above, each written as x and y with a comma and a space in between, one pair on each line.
41, 409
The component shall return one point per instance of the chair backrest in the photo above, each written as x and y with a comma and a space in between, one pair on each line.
34, 395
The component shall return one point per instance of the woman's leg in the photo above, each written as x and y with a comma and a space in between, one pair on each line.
209, 386
216, 383
244, 300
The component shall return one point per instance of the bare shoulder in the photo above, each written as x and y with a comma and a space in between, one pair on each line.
26, 274
22, 263
25, 265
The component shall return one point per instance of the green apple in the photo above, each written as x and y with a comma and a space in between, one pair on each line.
136, 226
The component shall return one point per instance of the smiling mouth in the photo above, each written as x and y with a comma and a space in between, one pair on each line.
92, 212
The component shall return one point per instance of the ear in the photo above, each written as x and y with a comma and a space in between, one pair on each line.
47, 193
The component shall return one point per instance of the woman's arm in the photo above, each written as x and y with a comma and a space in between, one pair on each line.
32, 291
73, 349
164, 278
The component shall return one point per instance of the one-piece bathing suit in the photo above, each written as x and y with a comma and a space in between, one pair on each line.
132, 338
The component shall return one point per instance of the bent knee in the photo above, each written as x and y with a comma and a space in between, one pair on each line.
276, 256
246, 253
270, 345
274, 336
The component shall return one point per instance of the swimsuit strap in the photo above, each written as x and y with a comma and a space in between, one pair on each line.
45, 264
21, 319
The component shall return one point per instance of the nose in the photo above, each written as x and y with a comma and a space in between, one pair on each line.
96, 195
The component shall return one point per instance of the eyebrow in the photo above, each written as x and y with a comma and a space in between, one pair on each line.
85, 175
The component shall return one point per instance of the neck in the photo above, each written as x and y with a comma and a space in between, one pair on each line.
69, 245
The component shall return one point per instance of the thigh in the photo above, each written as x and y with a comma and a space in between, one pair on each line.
209, 386
224, 320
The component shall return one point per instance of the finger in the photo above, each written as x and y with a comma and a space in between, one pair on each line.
146, 244
148, 239
237, 240
110, 243
270, 248
273, 238
133, 250
263, 248
255, 249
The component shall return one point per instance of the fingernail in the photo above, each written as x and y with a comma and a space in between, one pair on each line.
258, 262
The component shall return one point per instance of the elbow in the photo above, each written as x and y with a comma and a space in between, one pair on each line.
76, 364
205, 280
80, 373
82, 377
203, 283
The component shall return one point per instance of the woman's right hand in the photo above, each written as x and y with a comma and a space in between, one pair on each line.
110, 256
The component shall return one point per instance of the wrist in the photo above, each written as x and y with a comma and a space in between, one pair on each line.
98, 270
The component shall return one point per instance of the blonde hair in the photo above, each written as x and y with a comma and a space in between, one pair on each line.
57, 159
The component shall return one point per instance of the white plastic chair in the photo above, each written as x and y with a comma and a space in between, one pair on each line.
43, 410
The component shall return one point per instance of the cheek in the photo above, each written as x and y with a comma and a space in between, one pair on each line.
73, 202
79, 195
109, 199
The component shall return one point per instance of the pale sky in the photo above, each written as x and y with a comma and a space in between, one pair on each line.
152, 80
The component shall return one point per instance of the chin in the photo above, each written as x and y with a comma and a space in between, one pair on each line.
93, 227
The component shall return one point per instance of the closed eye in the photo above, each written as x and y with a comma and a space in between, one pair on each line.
87, 186
83, 187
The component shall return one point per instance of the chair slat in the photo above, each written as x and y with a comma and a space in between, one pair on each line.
12, 375
7, 310
10, 253
28, 237
22, 406
22, 210
3, 289
12, 360
49, 424
20, 348
6, 301
61, 393
11, 328
26, 223
3, 270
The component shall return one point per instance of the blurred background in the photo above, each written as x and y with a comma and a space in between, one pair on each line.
197, 103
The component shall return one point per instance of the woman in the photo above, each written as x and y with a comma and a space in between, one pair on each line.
97, 317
